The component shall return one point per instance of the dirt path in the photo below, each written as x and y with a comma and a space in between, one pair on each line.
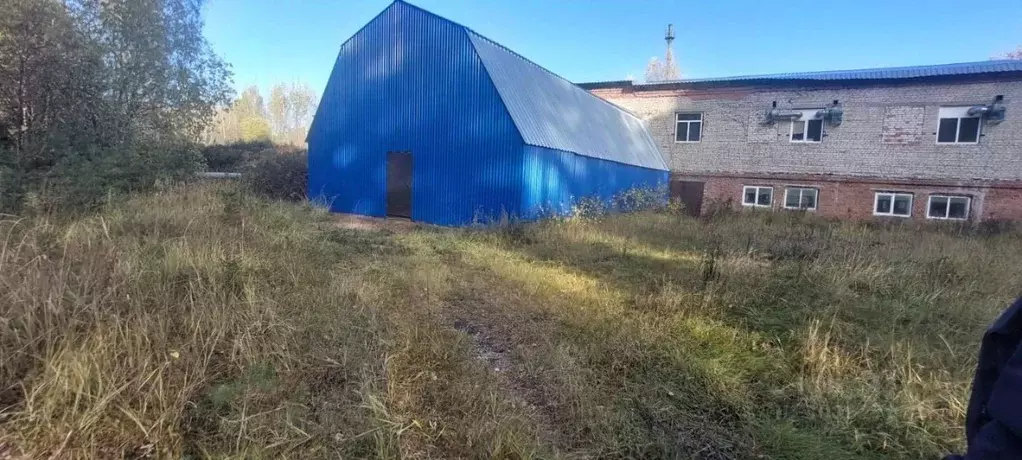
503, 342
359, 222
497, 339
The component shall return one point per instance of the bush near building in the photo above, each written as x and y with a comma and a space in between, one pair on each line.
280, 176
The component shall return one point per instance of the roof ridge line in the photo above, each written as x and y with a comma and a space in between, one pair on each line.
489, 77
495, 43
554, 74
478, 41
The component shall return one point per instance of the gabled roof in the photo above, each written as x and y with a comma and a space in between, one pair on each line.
886, 73
550, 111
554, 113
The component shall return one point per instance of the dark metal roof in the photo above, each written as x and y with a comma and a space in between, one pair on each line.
605, 84
885, 73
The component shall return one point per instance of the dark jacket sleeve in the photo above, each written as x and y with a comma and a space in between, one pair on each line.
994, 418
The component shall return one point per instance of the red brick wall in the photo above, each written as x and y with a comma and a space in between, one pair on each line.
853, 198
1003, 204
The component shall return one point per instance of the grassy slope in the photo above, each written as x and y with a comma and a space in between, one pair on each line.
209, 323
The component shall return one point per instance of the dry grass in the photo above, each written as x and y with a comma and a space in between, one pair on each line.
207, 323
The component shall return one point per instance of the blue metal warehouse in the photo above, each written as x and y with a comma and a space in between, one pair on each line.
426, 119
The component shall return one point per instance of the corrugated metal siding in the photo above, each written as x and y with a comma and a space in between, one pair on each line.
411, 81
552, 112
885, 73
555, 180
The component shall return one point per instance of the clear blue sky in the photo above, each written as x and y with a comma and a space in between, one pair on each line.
269, 41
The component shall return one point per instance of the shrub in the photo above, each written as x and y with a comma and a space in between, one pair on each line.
11, 189
234, 157
995, 227
637, 199
715, 209
279, 176
630, 200
675, 206
85, 180
589, 208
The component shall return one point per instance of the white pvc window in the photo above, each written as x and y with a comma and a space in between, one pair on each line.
688, 127
956, 126
948, 207
892, 204
800, 198
760, 197
808, 128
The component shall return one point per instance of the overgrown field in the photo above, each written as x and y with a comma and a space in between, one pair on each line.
204, 322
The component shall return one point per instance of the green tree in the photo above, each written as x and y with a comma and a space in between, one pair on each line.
290, 110
278, 110
284, 118
254, 129
50, 85
302, 102
245, 120
162, 75
250, 104
117, 83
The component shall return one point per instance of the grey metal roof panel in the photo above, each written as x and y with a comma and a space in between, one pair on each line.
554, 113
887, 73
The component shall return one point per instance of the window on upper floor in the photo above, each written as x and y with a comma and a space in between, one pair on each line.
688, 127
892, 204
800, 198
760, 197
956, 126
948, 207
808, 128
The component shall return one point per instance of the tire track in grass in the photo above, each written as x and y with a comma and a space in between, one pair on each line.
497, 346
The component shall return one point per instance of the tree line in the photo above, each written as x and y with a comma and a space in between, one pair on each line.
283, 119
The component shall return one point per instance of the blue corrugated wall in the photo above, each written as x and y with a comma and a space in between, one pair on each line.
411, 81
554, 180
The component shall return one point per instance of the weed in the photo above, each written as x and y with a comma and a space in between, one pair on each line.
208, 322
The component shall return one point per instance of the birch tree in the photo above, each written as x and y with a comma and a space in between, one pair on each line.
101, 86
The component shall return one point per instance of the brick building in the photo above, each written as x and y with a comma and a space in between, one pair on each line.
929, 142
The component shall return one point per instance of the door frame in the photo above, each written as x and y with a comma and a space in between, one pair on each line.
397, 159
691, 193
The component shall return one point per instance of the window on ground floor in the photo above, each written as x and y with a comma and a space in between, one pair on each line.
892, 204
948, 207
758, 196
800, 198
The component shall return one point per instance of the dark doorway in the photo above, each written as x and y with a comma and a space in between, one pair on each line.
399, 184
690, 194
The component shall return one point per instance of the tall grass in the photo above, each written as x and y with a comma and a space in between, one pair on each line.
205, 322
800, 338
